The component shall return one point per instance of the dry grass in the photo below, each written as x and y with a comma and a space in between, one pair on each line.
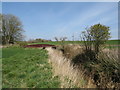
101, 71
109, 63
70, 77
71, 50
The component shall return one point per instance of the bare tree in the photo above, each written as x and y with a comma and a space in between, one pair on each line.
73, 37
87, 39
12, 29
56, 39
63, 38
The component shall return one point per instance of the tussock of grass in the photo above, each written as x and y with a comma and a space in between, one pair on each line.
23, 68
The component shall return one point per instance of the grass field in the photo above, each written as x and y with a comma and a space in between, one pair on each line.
29, 67
113, 42
26, 67
58, 43
110, 42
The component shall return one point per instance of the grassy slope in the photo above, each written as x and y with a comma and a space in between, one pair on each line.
27, 68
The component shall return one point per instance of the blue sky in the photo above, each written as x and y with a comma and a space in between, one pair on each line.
58, 19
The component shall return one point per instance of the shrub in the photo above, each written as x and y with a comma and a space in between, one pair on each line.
95, 36
71, 50
103, 69
22, 43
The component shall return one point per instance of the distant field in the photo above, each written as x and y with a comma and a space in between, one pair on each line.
110, 42
27, 67
113, 42
58, 43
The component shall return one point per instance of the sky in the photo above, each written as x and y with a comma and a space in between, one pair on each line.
62, 19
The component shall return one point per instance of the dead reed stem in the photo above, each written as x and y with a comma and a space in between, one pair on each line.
70, 77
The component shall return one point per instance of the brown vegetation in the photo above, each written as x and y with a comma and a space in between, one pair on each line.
78, 68
70, 76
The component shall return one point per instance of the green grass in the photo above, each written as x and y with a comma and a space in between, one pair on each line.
112, 47
27, 67
113, 42
0, 52
58, 43
109, 42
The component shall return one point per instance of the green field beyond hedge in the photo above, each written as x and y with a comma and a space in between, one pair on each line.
109, 42
23, 68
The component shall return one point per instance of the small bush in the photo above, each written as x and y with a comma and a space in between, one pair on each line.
22, 43
71, 50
